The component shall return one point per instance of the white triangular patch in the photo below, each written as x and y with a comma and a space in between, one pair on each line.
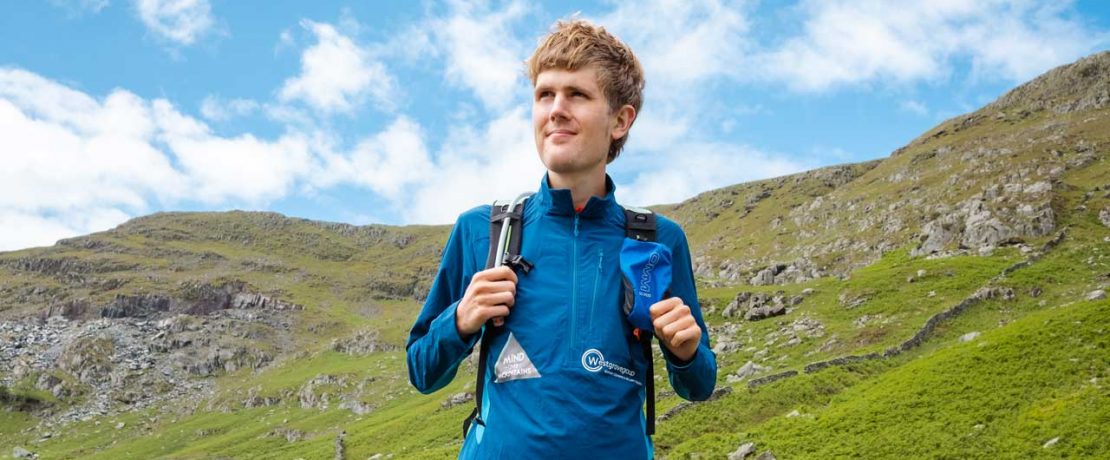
514, 363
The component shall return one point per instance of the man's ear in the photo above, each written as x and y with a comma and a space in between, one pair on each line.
624, 118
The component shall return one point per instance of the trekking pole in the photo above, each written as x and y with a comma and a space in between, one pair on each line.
503, 240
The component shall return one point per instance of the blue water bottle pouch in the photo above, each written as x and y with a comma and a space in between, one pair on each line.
646, 270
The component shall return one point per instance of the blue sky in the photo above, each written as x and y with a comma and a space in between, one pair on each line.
412, 112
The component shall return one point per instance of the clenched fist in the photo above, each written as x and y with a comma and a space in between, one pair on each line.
676, 328
490, 295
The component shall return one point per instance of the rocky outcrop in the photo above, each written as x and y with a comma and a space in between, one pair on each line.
755, 306
89, 358
362, 343
1079, 86
456, 399
742, 452
128, 363
990, 219
192, 299
219, 359
799, 271
746, 371
993, 292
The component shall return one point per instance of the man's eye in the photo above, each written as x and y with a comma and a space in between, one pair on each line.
544, 94
578, 94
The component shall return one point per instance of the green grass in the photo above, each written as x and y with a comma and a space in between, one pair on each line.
1026, 379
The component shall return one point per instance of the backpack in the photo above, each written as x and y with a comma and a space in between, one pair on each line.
640, 226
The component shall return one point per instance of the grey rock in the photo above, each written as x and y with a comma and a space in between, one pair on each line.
743, 451
340, 448
747, 370
1104, 217
994, 292
1097, 294
356, 406
938, 234
19, 452
1051, 442
758, 313
850, 301
290, 435
763, 278
985, 231
457, 398
362, 343
969, 336
766, 456
1038, 187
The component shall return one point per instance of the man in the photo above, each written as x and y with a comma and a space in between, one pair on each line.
565, 375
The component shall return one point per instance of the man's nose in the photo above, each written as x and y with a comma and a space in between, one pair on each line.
559, 109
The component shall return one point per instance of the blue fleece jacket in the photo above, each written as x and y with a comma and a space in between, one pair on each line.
564, 377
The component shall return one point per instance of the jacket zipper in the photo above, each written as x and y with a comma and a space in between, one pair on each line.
574, 288
597, 280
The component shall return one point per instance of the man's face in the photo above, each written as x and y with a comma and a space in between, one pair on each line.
572, 121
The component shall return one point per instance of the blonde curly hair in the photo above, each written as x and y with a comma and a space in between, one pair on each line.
576, 43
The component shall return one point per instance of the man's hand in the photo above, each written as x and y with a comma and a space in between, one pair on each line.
490, 294
676, 327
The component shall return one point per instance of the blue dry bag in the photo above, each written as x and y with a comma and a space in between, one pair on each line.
646, 267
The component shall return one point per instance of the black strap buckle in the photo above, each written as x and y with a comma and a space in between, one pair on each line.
517, 263
470, 419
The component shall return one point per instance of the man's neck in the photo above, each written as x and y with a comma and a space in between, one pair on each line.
582, 186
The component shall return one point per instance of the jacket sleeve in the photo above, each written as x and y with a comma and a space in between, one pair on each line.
693, 380
434, 347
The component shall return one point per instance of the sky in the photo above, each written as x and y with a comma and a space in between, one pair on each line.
413, 112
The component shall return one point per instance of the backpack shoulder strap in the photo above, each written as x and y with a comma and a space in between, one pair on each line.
640, 225
503, 212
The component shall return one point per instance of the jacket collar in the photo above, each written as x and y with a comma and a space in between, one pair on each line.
559, 201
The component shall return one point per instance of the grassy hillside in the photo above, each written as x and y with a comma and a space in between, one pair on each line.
948, 284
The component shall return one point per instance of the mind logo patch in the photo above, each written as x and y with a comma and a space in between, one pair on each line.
514, 363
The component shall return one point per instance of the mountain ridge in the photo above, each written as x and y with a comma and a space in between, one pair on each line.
175, 320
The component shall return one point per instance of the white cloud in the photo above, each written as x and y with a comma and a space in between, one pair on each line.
214, 108
76, 153
482, 53
682, 43
337, 75
848, 42
74, 164
81, 6
285, 41
25, 229
690, 168
685, 47
242, 168
914, 107
477, 166
388, 163
180, 21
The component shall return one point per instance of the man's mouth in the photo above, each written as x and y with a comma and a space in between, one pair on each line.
561, 132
